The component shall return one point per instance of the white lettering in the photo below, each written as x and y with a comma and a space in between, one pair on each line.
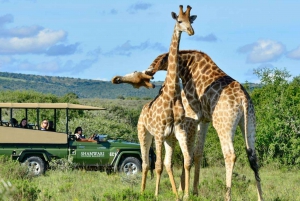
112, 153
92, 154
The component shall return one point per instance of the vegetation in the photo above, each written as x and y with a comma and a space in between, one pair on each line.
277, 106
65, 183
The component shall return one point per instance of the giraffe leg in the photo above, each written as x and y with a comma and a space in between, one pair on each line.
197, 148
226, 124
169, 147
145, 139
229, 156
229, 164
198, 154
182, 139
182, 180
158, 164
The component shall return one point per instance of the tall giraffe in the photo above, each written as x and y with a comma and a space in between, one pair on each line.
162, 118
209, 95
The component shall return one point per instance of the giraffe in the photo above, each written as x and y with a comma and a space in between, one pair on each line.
209, 95
162, 117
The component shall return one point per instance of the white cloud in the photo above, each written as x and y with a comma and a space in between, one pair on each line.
24, 31
62, 49
126, 48
50, 66
138, 6
263, 51
35, 44
10, 64
294, 54
8, 18
101, 79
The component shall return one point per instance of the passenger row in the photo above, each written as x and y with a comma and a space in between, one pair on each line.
44, 126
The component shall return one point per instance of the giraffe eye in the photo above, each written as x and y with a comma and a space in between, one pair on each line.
179, 22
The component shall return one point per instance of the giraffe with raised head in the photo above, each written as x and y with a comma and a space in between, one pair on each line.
162, 118
209, 95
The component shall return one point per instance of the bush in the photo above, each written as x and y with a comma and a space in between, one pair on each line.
12, 170
63, 164
277, 105
17, 183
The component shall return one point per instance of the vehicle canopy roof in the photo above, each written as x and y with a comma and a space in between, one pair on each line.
48, 106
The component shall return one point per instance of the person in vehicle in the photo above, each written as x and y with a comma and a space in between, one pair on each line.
78, 133
13, 122
44, 125
51, 126
80, 137
23, 123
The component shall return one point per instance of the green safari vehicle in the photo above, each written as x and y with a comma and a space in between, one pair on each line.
37, 148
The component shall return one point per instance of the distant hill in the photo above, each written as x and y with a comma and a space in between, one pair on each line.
84, 88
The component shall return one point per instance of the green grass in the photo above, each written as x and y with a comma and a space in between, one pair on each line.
77, 185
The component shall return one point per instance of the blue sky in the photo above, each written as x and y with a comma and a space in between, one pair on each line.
100, 39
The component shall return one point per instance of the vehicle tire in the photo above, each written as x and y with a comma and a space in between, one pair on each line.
36, 165
131, 165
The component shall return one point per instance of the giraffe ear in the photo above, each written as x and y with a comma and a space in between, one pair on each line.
174, 16
192, 18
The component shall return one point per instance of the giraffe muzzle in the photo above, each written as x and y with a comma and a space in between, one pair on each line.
190, 31
116, 80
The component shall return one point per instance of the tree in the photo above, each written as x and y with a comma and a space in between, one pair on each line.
277, 105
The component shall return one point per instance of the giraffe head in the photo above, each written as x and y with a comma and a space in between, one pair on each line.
136, 79
184, 20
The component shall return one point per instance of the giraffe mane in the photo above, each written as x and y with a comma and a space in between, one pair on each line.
159, 93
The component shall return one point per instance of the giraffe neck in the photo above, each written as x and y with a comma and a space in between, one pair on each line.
186, 64
172, 78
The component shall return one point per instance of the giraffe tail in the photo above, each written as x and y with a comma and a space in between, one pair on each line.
253, 162
250, 149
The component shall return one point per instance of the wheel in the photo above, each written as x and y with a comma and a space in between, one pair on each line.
131, 165
36, 165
